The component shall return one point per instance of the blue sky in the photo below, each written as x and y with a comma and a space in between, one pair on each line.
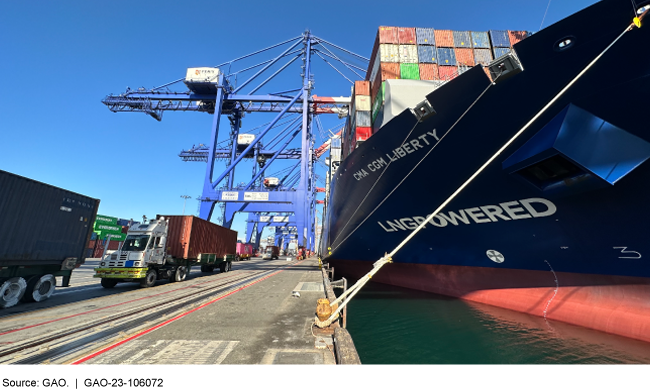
60, 59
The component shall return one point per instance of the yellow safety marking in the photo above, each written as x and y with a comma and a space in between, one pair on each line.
637, 22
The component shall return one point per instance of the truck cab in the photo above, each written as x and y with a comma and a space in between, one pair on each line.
144, 245
271, 253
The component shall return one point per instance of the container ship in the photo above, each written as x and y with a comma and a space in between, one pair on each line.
551, 132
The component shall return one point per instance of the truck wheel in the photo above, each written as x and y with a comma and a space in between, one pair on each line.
108, 283
39, 288
223, 267
150, 279
11, 291
179, 275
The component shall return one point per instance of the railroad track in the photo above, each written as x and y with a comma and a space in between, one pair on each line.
67, 338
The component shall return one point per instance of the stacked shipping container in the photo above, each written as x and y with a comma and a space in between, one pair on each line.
358, 127
424, 54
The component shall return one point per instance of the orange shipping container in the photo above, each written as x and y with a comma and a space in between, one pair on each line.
388, 35
188, 236
447, 72
406, 35
428, 71
465, 56
444, 38
361, 87
516, 36
389, 71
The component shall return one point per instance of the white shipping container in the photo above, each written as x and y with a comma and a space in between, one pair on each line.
408, 54
271, 182
362, 103
389, 53
405, 93
245, 139
202, 74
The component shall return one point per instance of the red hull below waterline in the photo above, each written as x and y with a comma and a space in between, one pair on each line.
613, 304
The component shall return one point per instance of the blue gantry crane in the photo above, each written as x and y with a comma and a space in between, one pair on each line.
287, 201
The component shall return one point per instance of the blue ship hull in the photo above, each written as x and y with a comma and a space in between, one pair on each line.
565, 205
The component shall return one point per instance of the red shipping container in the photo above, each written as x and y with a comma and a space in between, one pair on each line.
361, 87
388, 35
406, 35
444, 38
363, 133
465, 56
188, 236
516, 36
389, 71
428, 71
447, 72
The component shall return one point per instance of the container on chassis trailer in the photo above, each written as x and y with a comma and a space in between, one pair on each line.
166, 248
271, 252
44, 231
244, 251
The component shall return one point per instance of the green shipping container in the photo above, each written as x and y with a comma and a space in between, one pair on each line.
409, 71
109, 220
101, 235
378, 102
97, 227
115, 237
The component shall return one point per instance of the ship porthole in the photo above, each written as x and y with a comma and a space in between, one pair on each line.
564, 43
495, 256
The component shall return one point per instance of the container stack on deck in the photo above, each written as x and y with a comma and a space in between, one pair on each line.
357, 128
422, 54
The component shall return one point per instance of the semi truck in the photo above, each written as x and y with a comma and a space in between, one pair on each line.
44, 232
244, 251
166, 248
271, 253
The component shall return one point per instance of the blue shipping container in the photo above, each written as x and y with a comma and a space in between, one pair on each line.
462, 39
500, 38
363, 119
480, 39
446, 56
498, 52
427, 54
424, 36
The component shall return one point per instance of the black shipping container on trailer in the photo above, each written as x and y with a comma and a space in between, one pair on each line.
43, 229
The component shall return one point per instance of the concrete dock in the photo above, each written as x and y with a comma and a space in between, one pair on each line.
266, 319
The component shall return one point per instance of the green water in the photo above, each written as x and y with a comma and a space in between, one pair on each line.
392, 325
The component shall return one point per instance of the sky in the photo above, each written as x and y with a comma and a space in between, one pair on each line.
60, 59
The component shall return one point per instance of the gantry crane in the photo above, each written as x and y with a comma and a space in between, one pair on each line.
293, 196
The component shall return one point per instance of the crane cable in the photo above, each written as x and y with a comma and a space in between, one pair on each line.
387, 258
